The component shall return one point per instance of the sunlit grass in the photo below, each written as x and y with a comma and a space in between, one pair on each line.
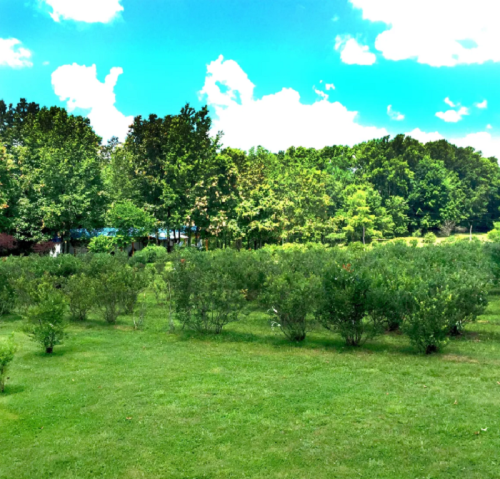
119, 403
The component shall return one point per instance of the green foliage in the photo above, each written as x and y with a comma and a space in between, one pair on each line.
131, 222
430, 238
7, 351
150, 254
117, 285
45, 316
205, 295
291, 290
80, 291
494, 234
104, 244
345, 306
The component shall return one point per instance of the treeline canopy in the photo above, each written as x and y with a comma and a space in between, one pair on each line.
56, 175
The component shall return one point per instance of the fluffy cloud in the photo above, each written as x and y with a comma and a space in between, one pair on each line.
482, 141
352, 53
436, 32
453, 116
79, 87
13, 55
279, 120
394, 115
449, 102
483, 105
88, 11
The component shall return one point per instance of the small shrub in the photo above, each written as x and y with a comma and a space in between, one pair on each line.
414, 243
45, 318
428, 326
7, 351
150, 254
494, 234
205, 295
80, 292
417, 234
102, 244
430, 238
345, 306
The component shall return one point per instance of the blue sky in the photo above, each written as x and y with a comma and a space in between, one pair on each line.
278, 56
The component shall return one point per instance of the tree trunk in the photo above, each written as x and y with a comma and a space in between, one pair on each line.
363, 234
470, 233
49, 349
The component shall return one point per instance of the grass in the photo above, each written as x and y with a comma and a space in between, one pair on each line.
118, 403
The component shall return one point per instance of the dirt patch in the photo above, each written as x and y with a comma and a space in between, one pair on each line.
455, 358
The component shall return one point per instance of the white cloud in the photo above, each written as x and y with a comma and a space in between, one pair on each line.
279, 120
449, 102
320, 93
482, 105
436, 32
489, 127
481, 141
424, 137
13, 55
452, 116
79, 86
394, 115
330, 86
88, 11
352, 53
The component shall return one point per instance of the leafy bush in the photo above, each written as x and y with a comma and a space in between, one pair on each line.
291, 291
117, 284
80, 292
206, 296
7, 293
150, 254
7, 351
430, 238
345, 306
45, 317
494, 234
103, 244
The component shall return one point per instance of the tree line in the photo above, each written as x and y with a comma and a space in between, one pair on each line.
56, 175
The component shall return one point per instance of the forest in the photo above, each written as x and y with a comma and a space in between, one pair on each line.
57, 175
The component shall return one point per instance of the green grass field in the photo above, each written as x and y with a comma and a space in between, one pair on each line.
118, 403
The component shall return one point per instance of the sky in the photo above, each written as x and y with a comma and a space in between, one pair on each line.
275, 73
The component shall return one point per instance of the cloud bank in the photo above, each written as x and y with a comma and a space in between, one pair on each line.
13, 55
88, 11
277, 121
79, 87
436, 32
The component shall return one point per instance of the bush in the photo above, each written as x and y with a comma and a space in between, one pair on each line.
45, 317
345, 305
103, 244
7, 293
150, 254
7, 351
117, 284
80, 292
291, 291
430, 238
206, 296
428, 326
494, 234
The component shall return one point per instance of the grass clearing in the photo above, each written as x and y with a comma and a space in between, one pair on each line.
118, 403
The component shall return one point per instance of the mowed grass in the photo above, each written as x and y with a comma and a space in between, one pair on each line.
118, 403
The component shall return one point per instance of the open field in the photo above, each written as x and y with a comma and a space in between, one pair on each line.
118, 403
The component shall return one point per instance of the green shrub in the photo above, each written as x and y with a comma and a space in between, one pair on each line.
430, 238
7, 293
45, 317
206, 296
103, 244
345, 305
414, 243
494, 234
150, 254
7, 351
291, 290
80, 290
428, 325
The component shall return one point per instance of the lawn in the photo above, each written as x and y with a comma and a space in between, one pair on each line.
119, 403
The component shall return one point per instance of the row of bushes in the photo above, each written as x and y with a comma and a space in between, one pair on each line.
429, 293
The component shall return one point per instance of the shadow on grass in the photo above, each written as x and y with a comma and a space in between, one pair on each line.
312, 342
10, 390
